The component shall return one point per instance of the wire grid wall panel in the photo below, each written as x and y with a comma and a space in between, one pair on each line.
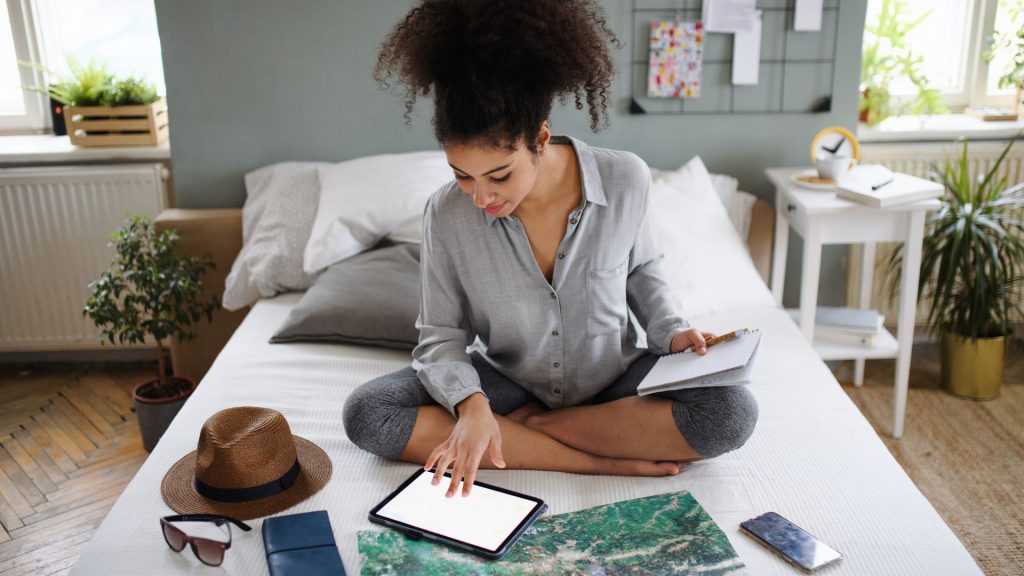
797, 69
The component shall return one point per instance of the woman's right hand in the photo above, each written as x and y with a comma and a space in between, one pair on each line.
476, 431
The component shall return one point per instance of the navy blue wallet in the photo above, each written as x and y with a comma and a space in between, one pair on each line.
301, 544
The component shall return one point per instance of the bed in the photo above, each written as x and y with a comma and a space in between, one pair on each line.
813, 458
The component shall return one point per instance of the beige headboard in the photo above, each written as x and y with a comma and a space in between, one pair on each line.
219, 232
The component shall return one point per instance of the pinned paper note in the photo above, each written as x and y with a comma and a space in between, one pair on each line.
677, 53
728, 15
808, 15
746, 52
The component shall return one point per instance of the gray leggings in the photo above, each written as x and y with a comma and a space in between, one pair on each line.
379, 416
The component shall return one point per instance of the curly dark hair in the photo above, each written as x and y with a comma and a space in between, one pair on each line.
494, 67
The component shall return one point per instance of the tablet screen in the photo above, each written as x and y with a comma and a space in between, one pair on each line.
485, 518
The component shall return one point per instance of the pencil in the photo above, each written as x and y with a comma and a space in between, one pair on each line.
725, 337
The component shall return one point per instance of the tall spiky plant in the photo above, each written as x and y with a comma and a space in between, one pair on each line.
973, 252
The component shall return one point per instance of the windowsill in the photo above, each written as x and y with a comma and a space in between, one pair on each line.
49, 149
946, 127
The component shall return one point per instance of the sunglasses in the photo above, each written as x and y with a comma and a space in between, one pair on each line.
209, 552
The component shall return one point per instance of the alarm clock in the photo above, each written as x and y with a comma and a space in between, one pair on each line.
835, 141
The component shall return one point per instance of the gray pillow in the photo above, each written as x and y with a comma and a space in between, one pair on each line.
280, 205
371, 298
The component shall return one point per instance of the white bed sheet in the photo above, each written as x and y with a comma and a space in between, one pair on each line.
813, 458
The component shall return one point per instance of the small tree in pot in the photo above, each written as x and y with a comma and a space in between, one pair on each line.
151, 291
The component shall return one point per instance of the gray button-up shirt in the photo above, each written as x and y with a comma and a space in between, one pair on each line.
563, 341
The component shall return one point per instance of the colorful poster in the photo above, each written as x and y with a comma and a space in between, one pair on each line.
665, 534
677, 50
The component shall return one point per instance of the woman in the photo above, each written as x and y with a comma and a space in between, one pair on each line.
540, 250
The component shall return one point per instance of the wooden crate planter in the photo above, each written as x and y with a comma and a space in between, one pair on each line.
117, 126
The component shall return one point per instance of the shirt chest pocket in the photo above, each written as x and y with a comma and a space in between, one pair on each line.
606, 295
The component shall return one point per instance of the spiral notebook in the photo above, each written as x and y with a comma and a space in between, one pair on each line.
725, 364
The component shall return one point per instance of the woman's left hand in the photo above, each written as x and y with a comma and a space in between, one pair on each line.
692, 337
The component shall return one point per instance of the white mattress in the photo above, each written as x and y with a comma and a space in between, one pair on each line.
813, 458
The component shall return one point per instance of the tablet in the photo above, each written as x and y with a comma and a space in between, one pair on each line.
487, 522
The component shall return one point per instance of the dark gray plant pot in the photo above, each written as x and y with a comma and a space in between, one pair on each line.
155, 415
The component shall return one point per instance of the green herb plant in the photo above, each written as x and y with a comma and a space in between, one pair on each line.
973, 250
887, 58
91, 85
149, 290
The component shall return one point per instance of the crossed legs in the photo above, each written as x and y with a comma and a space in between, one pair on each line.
619, 434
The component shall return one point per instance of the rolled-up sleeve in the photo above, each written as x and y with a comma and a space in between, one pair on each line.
440, 359
648, 292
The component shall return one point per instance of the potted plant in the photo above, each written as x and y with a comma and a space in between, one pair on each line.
149, 291
971, 272
888, 58
1009, 43
101, 109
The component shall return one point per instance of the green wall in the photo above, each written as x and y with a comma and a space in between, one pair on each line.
259, 81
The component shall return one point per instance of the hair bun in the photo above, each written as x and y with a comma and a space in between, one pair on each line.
494, 67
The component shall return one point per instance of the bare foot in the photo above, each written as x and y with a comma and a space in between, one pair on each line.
631, 467
519, 415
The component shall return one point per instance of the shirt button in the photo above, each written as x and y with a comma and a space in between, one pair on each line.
558, 391
554, 332
557, 364
552, 294
561, 256
572, 221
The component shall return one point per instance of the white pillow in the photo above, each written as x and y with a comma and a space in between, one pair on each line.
706, 262
738, 204
364, 200
740, 208
725, 186
278, 214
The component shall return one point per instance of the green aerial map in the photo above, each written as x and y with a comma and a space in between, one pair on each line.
666, 534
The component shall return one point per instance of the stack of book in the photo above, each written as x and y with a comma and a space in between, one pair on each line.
855, 326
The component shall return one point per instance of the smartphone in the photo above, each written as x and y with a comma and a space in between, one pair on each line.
791, 542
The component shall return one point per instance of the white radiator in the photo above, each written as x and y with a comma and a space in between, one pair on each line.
55, 225
914, 158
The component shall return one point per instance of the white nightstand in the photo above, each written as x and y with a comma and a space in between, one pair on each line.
820, 217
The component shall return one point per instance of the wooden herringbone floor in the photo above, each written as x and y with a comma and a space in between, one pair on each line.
69, 444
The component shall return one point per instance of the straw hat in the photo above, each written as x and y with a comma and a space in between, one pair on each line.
248, 464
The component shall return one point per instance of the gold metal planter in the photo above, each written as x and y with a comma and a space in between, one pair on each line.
973, 369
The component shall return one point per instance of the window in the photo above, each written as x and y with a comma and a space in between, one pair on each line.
1009, 17
945, 61
20, 110
123, 33
11, 101
951, 41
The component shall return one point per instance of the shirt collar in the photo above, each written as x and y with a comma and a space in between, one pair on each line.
593, 190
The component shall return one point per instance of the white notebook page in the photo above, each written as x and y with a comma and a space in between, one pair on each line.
688, 365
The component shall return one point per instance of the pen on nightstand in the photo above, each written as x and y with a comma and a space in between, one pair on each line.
880, 184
